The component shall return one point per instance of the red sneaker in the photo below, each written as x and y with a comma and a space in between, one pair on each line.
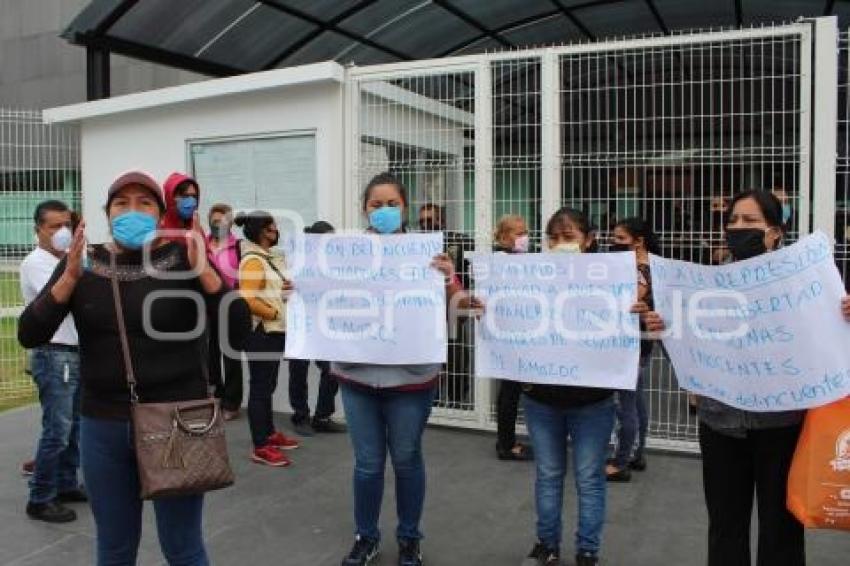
283, 442
270, 456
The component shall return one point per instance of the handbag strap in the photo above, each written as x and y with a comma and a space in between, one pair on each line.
125, 343
268, 262
122, 328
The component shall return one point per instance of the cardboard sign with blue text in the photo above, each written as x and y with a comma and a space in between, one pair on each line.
558, 318
365, 298
764, 334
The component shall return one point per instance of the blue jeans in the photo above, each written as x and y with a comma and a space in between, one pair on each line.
589, 429
56, 373
634, 420
377, 421
112, 480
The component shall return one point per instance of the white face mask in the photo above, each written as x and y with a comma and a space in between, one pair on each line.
61, 239
566, 247
521, 244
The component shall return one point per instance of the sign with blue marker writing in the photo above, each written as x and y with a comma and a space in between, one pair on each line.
365, 298
765, 334
558, 318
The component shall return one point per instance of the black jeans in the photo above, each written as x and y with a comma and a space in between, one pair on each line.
298, 397
227, 384
506, 412
735, 468
264, 371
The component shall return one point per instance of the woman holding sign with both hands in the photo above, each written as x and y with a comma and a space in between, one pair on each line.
585, 415
745, 451
387, 407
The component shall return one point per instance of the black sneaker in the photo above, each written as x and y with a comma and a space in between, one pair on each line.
542, 555
586, 559
302, 428
363, 552
328, 425
638, 464
72, 496
409, 553
621, 475
519, 453
51, 512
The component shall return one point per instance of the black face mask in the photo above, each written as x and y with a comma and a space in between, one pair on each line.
620, 247
745, 243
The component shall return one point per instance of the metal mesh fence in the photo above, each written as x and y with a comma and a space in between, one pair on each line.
37, 162
422, 130
664, 129
669, 134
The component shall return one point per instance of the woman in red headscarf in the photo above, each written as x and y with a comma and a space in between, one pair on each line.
182, 196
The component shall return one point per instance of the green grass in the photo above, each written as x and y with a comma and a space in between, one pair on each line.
16, 387
10, 289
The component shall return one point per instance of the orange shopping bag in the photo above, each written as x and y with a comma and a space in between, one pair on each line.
819, 481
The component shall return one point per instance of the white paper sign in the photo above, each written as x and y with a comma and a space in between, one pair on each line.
558, 318
765, 334
365, 298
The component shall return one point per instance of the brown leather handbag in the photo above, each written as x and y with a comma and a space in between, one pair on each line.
180, 446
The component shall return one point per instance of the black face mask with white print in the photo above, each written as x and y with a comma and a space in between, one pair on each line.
615, 247
745, 243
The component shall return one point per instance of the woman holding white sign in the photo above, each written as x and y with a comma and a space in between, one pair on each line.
586, 416
742, 451
391, 417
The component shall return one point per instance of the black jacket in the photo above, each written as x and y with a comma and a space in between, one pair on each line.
166, 369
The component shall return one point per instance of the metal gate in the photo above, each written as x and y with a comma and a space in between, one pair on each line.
37, 162
666, 128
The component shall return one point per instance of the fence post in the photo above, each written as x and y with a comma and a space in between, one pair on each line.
483, 202
825, 119
550, 147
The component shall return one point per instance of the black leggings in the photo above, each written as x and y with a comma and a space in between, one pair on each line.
264, 372
506, 412
733, 470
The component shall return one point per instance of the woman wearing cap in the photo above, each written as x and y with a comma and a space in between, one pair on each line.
166, 370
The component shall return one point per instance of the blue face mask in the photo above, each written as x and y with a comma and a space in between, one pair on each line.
385, 220
786, 213
186, 207
133, 229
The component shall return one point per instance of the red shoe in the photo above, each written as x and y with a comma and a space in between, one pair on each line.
270, 456
283, 442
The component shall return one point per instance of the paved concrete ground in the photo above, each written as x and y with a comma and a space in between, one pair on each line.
479, 511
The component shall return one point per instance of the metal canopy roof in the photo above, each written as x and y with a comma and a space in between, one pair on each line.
228, 37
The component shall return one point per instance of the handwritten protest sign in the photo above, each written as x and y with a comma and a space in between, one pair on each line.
765, 334
366, 298
558, 318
